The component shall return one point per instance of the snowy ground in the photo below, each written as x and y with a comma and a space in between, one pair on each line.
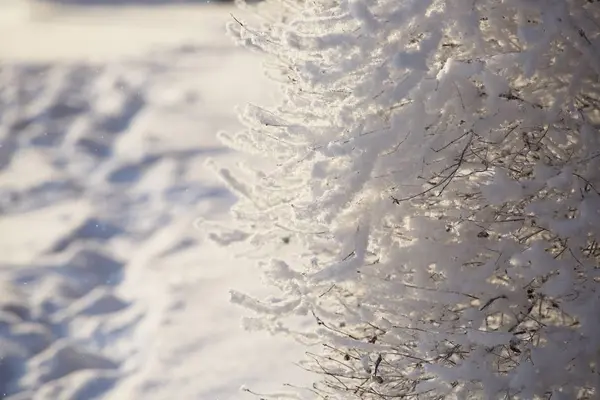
108, 288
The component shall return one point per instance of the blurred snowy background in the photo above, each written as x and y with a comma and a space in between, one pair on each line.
108, 289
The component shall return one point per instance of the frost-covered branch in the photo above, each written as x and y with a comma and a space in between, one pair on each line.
437, 162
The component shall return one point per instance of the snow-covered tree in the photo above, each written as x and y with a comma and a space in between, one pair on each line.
438, 161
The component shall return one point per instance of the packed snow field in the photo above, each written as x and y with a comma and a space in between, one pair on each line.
110, 288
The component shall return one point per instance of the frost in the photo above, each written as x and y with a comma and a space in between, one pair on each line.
443, 190
558, 285
563, 180
489, 339
361, 12
502, 188
411, 60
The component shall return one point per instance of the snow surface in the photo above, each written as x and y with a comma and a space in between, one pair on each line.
109, 287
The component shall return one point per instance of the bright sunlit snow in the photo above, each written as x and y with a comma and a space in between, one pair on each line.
109, 287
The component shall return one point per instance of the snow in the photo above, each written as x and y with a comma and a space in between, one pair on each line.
111, 288
408, 147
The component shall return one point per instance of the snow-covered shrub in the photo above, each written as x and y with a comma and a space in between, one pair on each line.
439, 163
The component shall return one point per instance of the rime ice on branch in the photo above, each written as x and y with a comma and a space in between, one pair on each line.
439, 162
